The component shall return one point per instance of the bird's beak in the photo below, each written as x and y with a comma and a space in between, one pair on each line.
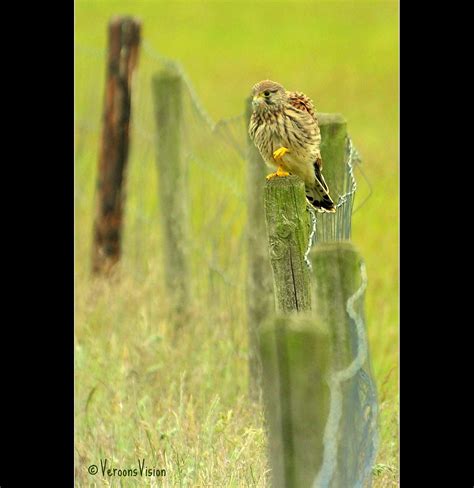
257, 100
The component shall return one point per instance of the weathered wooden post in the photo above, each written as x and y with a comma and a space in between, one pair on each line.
260, 302
288, 232
124, 40
173, 187
319, 395
336, 276
351, 433
336, 226
293, 348
333, 145
295, 358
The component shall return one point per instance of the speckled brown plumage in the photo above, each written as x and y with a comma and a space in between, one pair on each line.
283, 119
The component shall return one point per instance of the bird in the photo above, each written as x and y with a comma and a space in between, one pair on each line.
284, 128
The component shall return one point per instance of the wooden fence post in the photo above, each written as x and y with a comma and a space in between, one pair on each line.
124, 40
288, 233
333, 145
336, 226
260, 302
173, 187
319, 396
338, 303
295, 358
335, 278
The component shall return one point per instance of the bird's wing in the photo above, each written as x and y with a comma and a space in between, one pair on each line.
302, 102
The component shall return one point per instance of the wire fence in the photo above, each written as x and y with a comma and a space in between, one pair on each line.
215, 153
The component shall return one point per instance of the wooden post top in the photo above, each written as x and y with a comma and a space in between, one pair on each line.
330, 119
120, 19
167, 73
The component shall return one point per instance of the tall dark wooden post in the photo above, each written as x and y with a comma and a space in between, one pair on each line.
124, 40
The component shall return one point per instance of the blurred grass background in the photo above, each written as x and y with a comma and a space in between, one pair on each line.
180, 401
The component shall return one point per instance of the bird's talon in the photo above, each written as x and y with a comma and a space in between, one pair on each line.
279, 153
279, 172
282, 172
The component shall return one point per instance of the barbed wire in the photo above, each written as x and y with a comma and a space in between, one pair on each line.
350, 155
311, 237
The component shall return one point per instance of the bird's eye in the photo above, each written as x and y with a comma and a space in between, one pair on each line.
266, 93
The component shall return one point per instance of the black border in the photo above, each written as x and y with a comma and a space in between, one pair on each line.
37, 262
36, 344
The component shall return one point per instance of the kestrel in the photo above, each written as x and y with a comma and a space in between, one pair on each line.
285, 130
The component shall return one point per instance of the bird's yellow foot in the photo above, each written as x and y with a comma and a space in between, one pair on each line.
279, 172
279, 153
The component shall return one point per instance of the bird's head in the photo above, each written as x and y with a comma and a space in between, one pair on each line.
268, 95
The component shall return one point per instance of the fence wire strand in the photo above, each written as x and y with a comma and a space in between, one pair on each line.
336, 226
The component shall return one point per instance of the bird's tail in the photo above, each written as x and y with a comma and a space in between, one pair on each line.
317, 193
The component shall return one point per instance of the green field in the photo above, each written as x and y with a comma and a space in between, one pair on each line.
179, 400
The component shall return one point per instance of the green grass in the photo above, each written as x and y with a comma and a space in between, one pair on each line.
179, 400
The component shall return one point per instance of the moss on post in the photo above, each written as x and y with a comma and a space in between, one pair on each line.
337, 278
295, 359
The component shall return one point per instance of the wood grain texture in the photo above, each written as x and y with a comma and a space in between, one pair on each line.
287, 228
